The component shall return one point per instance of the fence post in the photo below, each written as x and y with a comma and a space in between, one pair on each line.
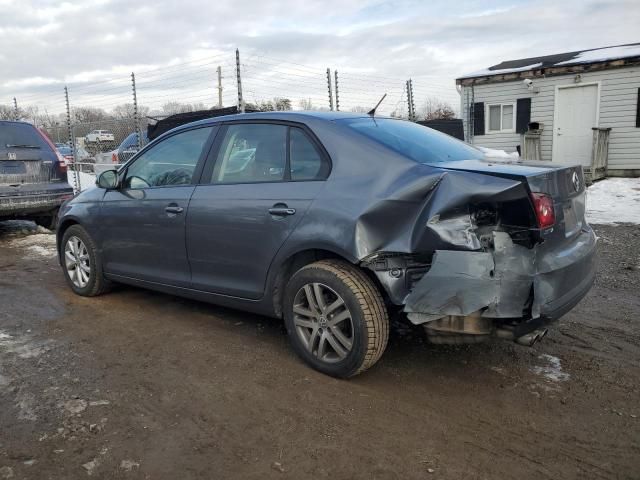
413, 105
240, 99
135, 110
335, 84
409, 102
219, 70
329, 86
72, 143
16, 113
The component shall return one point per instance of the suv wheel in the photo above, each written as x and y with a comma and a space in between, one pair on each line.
82, 264
48, 221
336, 318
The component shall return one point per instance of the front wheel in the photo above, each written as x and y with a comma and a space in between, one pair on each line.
82, 263
335, 318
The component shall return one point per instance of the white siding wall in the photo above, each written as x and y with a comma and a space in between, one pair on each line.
618, 100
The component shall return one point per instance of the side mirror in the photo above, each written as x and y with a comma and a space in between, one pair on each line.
108, 179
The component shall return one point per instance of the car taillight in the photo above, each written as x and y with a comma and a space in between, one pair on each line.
543, 206
114, 157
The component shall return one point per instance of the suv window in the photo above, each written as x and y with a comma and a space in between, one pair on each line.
306, 161
20, 135
170, 162
252, 153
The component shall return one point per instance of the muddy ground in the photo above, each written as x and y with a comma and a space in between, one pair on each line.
136, 384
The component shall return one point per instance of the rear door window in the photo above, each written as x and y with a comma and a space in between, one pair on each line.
307, 163
252, 153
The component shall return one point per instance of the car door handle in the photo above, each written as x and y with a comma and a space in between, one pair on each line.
282, 211
173, 209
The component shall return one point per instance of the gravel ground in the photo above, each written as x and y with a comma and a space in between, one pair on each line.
136, 384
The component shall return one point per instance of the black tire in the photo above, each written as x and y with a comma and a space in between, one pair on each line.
50, 221
369, 321
96, 284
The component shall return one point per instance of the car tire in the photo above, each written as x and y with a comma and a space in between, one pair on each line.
333, 303
48, 221
85, 276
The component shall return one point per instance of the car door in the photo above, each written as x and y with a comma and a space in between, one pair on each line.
259, 182
143, 221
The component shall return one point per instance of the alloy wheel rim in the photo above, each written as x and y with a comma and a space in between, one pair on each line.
323, 322
76, 259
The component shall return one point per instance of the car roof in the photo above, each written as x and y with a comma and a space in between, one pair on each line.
293, 116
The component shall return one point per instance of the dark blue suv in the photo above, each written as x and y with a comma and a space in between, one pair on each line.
33, 176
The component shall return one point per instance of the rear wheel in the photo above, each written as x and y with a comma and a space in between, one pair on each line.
336, 318
82, 263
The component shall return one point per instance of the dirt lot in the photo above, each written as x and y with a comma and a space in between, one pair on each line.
136, 384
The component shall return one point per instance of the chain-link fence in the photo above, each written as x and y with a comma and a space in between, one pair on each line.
104, 121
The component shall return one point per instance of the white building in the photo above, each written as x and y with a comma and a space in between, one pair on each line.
568, 95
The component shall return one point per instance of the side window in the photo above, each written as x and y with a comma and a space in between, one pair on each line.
306, 161
171, 162
252, 153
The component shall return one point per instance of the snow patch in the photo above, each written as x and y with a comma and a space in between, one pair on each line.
497, 155
604, 54
552, 370
613, 201
486, 71
40, 244
87, 180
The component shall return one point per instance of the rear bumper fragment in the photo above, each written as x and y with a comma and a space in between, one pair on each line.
509, 282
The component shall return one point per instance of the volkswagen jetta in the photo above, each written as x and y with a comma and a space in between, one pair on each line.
334, 222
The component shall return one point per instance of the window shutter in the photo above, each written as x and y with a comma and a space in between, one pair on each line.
478, 118
523, 114
638, 110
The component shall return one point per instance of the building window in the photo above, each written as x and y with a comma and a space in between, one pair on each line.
501, 117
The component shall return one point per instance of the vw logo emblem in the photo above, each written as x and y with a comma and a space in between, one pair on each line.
576, 181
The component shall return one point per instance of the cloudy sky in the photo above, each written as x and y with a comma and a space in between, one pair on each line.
285, 45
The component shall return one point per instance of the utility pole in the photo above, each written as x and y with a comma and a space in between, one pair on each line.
219, 70
135, 110
329, 86
335, 84
16, 113
240, 99
72, 142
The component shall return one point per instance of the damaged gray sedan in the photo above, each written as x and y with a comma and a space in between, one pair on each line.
334, 222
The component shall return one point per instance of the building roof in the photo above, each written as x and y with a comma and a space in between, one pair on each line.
561, 62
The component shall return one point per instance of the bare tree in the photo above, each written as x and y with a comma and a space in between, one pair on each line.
277, 104
88, 114
171, 108
361, 109
7, 112
126, 110
434, 108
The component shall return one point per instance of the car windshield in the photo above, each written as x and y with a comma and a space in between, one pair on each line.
412, 140
64, 150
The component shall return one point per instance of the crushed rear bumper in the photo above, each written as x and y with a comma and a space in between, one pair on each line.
509, 282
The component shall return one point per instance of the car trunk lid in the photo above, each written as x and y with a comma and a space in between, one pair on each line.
25, 157
564, 184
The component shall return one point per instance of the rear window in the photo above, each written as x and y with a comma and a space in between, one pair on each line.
20, 135
412, 140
